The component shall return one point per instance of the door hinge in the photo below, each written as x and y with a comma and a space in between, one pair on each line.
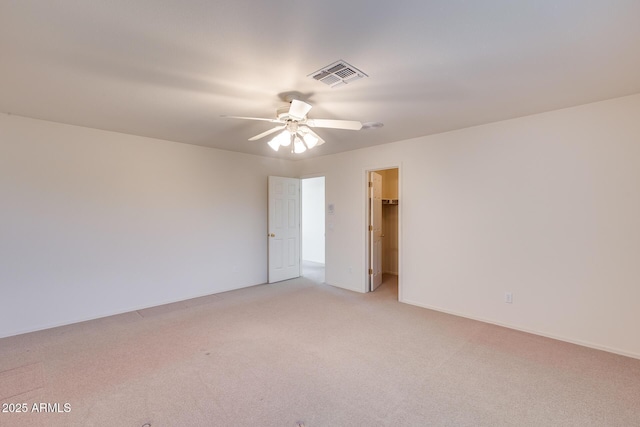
370, 184
370, 271
371, 228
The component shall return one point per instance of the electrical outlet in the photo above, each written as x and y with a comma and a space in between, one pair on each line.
508, 297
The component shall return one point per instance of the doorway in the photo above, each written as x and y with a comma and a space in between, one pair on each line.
383, 236
313, 228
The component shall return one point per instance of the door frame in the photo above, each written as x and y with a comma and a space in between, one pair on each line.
365, 192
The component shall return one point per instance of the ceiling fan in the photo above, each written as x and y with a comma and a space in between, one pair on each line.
294, 127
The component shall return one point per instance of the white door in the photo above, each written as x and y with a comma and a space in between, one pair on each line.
375, 230
284, 228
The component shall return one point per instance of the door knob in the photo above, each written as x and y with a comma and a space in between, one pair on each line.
272, 235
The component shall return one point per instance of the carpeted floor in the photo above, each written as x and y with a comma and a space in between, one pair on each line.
313, 271
300, 352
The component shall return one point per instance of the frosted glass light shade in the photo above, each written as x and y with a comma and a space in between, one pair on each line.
310, 140
285, 138
298, 146
274, 143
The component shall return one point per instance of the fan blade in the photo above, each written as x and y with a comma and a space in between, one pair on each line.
269, 132
334, 124
305, 130
299, 109
253, 118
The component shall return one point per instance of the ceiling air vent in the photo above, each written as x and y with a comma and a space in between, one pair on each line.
337, 74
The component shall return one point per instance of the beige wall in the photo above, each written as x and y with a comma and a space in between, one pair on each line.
94, 223
546, 207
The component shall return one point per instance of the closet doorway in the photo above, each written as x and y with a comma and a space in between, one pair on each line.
383, 237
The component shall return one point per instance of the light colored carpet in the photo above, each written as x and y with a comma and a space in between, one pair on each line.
300, 352
313, 271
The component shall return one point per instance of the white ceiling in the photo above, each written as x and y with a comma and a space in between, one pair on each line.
170, 69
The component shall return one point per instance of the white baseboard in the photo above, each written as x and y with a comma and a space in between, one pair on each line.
358, 290
530, 331
116, 313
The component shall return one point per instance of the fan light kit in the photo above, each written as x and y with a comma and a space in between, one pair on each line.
294, 128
